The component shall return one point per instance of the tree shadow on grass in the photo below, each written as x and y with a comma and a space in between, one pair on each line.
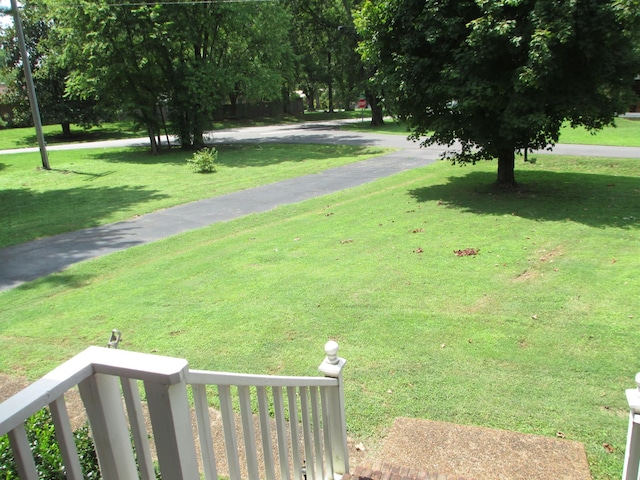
591, 199
60, 279
143, 156
27, 214
240, 155
79, 135
262, 155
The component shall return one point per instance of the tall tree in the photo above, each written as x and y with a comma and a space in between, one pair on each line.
325, 39
49, 76
117, 54
182, 57
501, 75
223, 51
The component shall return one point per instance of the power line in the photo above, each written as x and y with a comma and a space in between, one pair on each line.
190, 2
7, 10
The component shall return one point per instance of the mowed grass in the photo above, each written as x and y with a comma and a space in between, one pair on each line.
24, 137
93, 187
535, 333
625, 133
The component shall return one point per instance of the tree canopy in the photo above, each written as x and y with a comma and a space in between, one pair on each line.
496, 76
49, 76
180, 57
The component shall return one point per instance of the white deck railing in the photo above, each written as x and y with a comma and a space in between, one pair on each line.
632, 453
273, 427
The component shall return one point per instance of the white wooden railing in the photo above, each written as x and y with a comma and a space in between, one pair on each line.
632, 453
305, 436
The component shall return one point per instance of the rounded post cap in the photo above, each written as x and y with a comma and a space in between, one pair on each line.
331, 349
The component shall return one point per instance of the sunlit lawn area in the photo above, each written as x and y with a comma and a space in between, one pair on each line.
625, 133
94, 187
11, 138
535, 333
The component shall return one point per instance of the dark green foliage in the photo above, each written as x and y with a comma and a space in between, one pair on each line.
171, 65
46, 453
501, 75
43, 45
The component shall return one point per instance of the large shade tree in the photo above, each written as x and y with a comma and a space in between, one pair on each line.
325, 40
497, 76
177, 60
43, 46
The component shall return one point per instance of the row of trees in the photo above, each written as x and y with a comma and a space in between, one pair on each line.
169, 65
489, 76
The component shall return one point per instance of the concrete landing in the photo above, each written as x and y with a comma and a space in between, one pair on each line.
477, 453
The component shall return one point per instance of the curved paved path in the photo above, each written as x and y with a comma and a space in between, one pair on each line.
28, 261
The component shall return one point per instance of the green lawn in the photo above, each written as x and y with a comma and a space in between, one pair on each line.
534, 334
625, 133
95, 187
11, 138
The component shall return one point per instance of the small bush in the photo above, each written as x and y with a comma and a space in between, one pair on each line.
204, 161
46, 452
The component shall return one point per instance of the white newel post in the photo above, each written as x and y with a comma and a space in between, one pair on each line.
632, 453
332, 367
171, 422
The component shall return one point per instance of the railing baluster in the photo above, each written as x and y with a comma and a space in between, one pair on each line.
265, 433
22, 453
317, 440
138, 426
229, 427
204, 431
281, 432
306, 434
64, 436
248, 431
295, 435
328, 452
102, 400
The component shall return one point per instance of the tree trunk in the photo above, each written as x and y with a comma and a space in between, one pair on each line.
376, 111
66, 129
330, 85
184, 132
233, 100
311, 97
198, 138
506, 167
152, 140
198, 131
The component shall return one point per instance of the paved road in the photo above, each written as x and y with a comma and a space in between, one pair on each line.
28, 261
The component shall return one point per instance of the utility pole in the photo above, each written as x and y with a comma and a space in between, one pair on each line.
31, 90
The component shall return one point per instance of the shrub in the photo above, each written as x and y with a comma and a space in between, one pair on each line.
204, 161
46, 452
